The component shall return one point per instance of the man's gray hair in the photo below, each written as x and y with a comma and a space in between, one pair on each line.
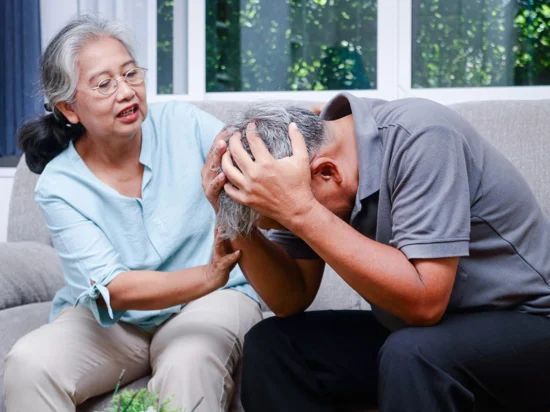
272, 121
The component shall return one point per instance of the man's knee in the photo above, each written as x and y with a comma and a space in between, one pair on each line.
261, 341
406, 349
261, 337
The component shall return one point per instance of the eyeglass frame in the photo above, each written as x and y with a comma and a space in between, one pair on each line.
118, 79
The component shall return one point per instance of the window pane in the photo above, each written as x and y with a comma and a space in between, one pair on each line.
165, 50
473, 43
267, 45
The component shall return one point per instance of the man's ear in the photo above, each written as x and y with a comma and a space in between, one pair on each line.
68, 111
326, 169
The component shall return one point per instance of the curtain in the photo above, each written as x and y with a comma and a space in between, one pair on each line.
19, 68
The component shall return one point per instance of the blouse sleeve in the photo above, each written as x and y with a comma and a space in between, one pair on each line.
88, 258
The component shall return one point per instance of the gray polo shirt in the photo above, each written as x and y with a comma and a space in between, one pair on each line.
432, 187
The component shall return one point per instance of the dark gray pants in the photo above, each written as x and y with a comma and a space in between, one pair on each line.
331, 360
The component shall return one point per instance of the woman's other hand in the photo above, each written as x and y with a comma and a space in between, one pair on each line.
222, 263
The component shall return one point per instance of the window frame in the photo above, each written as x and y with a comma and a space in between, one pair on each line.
394, 33
451, 94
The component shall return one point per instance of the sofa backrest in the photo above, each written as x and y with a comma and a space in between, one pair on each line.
25, 221
520, 129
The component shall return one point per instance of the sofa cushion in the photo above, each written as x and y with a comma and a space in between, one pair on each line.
25, 221
30, 272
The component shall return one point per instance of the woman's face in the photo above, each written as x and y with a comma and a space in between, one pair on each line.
106, 117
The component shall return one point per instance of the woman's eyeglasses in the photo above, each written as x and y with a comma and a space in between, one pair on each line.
133, 77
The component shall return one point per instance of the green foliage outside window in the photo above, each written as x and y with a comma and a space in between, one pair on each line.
472, 43
271, 45
165, 44
267, 45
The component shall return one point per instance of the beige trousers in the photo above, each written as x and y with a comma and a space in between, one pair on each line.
192, 355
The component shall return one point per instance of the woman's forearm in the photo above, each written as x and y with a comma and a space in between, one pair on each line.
151, 290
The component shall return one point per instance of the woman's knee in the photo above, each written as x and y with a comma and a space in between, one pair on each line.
25, 366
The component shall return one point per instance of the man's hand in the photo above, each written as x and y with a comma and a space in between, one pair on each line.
278, 189
223, 261
212, 181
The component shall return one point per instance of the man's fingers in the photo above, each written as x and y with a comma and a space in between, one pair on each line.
233, 174
257, 146
299, 147
241, 157
234, 193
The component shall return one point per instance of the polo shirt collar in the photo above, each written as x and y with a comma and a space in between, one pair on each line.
369, 147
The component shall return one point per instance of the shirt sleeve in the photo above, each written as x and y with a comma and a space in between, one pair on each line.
209, 127
87, 256
296, 247
430, 196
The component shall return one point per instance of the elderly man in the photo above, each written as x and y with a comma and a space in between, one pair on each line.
422, 217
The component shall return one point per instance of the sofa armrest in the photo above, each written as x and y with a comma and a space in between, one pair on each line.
30, 272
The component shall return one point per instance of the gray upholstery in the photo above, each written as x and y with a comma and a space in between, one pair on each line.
520, 129
30, 272
25, 222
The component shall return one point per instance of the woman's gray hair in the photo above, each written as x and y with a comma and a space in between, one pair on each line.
59, 74
272, 121
43, 138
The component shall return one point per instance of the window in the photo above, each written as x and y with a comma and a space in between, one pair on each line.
165, 49
266, 45
445, 50
477, 43
171, 47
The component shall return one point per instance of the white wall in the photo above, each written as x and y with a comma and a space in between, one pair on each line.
6, 182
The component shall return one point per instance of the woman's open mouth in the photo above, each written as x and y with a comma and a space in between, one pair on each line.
129, 114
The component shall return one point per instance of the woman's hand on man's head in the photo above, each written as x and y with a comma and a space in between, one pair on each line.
212, 179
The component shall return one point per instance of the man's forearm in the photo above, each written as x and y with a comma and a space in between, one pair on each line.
381, 274
273, 274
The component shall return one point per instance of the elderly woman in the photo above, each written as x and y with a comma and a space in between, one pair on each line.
149, 288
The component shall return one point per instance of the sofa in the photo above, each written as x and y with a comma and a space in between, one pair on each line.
30, 272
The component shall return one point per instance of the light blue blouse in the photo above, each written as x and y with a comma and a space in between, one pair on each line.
99, 233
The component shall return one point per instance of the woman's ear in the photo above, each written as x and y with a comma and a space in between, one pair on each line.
68, 111
325, 168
